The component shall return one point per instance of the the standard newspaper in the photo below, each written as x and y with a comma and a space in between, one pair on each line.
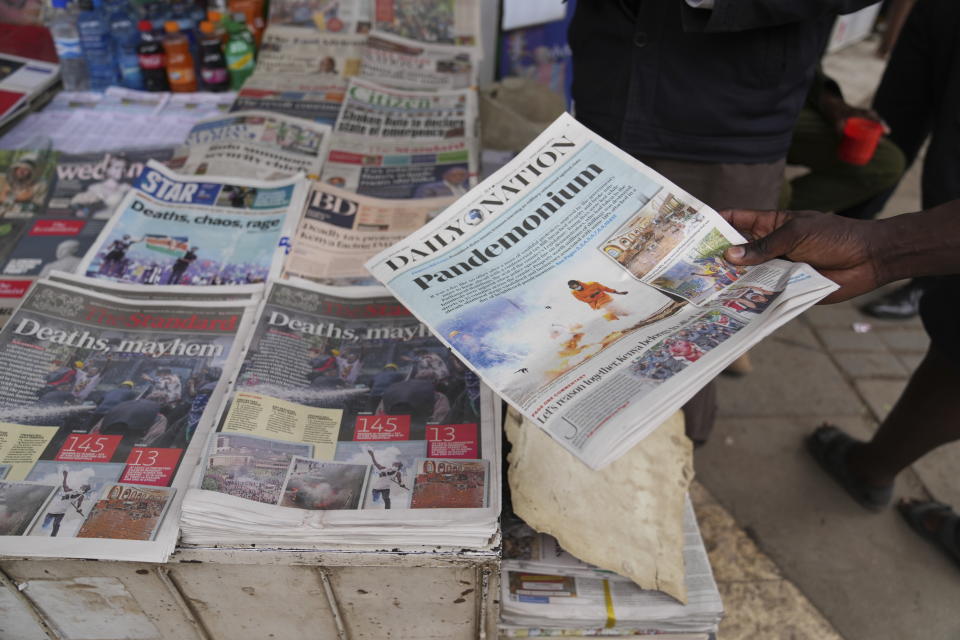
173, 229
340, 230
104, 404
300, 95
346, 404
589, 291
546, 590
402, 144
254, 144
392, 61
303, 50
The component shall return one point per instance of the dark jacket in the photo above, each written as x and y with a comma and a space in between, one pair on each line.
660, 79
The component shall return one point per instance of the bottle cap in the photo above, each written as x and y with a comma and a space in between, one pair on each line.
171, 26
145, 25
206, 27
214, 16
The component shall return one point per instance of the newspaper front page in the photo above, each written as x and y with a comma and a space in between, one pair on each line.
181, 230
340, 230
104, 405
299, 95
589, 291
392, 61
301, 50
441, 21
254, 144
401, 144
331, 16
346, 403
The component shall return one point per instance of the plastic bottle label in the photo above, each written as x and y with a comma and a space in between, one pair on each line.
151, 61
242, 62
214, 76
68, 47
181, 76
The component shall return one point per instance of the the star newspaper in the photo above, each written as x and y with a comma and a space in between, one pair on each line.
346, 407
253, 144
402, 144
105, 401
340, 230
547, 589
590, 292
173, 229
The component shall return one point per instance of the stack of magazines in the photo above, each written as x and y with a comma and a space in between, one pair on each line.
310, 448
548, 592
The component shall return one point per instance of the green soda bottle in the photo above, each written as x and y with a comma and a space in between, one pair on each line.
239, 54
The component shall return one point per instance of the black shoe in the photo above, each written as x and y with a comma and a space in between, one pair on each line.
899, 304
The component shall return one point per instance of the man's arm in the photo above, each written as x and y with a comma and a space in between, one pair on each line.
859, 255
741, 15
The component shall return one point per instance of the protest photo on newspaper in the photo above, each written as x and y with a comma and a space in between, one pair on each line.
589, 291
392, 61
253, 144
441, 21
346, 403
104, 404
173, 229
332, 16
340, 230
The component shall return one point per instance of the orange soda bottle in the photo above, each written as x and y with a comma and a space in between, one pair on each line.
180, 68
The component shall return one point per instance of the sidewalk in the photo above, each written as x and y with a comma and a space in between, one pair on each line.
868, 575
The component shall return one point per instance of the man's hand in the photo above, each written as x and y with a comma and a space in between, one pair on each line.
836, 111
839, 248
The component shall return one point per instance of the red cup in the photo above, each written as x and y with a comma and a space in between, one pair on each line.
859, 142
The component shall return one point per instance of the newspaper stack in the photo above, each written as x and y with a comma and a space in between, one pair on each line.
590, 292
348, 424
546, 591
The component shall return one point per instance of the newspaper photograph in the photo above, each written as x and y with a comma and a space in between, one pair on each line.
344, 401
588, 290
340, 230
92, 185
173, 229
298, 95
302, 50
26, 178
101, 400
253, 144
392, 61
49, 244
442, 21
333, 16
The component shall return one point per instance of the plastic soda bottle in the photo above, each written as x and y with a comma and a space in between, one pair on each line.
239, 54
213, 66
180, 71
152, 60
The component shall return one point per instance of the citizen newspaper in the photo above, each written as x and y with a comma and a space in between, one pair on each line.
104, 404
173, 229
589, 291
253, 144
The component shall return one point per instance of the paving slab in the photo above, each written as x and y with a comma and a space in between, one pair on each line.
880, 395
868, 574
849, 340
791, 377
938, 472
910, 360
833, 315
905, 340
870, 365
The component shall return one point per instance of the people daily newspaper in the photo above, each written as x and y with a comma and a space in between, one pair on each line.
347, 411
588, 291
103, 412
173, 229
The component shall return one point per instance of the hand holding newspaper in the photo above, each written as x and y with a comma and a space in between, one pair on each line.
590, 292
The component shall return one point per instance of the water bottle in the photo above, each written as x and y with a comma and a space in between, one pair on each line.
96, 44
66, 38
126, 37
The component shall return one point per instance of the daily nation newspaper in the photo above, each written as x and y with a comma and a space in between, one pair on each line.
300, 95
173, 229
440, 21
392, 61
344, 403
394, 143
340, 230
303, 50
253, 144
589, 291
104, 404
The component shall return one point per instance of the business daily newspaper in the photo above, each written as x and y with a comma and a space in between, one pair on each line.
392, 61
566, 281
103, 411
173, 229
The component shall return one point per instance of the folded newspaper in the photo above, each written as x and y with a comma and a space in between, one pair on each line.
104, 403
546, 591
172, 229
348, 424
397, 62
589, 291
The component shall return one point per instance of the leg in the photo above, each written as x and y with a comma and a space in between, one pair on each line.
57, 518
386, 498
